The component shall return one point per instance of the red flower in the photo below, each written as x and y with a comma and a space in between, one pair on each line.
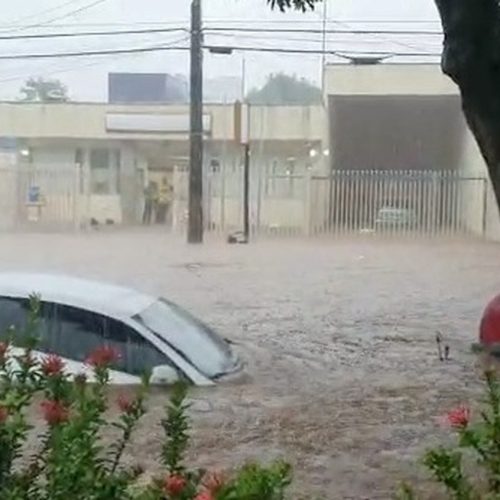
175, 484
213, 482
4, 347
204, 495
459, 417
52, 365
125, 404
54, 412
103, 357
4, 414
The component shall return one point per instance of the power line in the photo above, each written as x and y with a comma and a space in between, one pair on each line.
84, 8
217, 30
159, 48
63, 16
320, 31
315, 40
89, 34
44, 12
90, 53
78, 66
338, 52
207, 21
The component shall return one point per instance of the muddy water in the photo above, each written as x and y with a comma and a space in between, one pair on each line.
343, 377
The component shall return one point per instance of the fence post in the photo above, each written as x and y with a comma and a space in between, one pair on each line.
86, 195
76, 197
307, 203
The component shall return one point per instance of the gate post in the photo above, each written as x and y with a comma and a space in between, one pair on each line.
307, 203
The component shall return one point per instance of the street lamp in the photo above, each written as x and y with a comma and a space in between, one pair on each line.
246, 141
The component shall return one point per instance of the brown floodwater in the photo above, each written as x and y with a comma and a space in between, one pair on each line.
342, 373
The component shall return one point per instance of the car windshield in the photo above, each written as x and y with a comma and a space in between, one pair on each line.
190, 337
395, 213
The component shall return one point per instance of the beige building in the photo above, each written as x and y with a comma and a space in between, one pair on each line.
407, 117
390, 139
118, 150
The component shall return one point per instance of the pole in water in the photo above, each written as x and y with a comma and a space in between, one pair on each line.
195, 216
246, 194
439, 340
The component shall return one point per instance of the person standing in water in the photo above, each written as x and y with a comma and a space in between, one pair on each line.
164, 200
150, 196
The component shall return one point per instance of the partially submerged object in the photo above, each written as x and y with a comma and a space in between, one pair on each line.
150, 334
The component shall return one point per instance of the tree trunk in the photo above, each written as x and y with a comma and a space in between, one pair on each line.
471, 57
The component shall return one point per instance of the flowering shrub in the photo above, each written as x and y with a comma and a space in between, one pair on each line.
71, 461
470, 470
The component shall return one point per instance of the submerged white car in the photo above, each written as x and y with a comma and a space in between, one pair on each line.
150, 334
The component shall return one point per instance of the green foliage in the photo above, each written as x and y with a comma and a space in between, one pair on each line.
176, 428
44, 90
71, 462
471, 469
285, 89
255, 482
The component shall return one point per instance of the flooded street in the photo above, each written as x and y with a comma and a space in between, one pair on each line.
338, 336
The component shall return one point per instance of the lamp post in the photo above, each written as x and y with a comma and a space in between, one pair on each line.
245, 139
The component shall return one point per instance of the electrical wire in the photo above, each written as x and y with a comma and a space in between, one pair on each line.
78, 66
214, 48
316, 40
79, 10
217, 30
90, 53
43, 13
89, 34
320, 31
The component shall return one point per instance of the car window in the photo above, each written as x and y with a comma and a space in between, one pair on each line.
76, 332
79, 332
137, 354
189, 337
14, 313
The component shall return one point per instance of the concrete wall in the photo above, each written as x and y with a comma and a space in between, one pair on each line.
395, 132
88, 121
387, 79
480, 210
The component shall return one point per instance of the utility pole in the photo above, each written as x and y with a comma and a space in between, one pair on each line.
195, 219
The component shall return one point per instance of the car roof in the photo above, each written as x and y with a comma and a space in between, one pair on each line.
110, 300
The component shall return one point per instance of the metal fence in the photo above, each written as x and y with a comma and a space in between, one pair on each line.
399, 203
42, 198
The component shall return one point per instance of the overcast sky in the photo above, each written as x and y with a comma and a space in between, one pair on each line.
86, 77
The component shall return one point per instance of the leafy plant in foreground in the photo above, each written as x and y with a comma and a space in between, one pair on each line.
70, 460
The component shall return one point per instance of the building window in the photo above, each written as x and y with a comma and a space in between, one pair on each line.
104, 171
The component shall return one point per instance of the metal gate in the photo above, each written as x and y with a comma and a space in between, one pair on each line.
413, 203
42, 198
347, 202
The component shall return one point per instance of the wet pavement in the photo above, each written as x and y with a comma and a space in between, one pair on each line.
343, 377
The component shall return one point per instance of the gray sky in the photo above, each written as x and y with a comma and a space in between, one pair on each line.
86, 77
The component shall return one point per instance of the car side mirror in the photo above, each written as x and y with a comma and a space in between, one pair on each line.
164, 375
